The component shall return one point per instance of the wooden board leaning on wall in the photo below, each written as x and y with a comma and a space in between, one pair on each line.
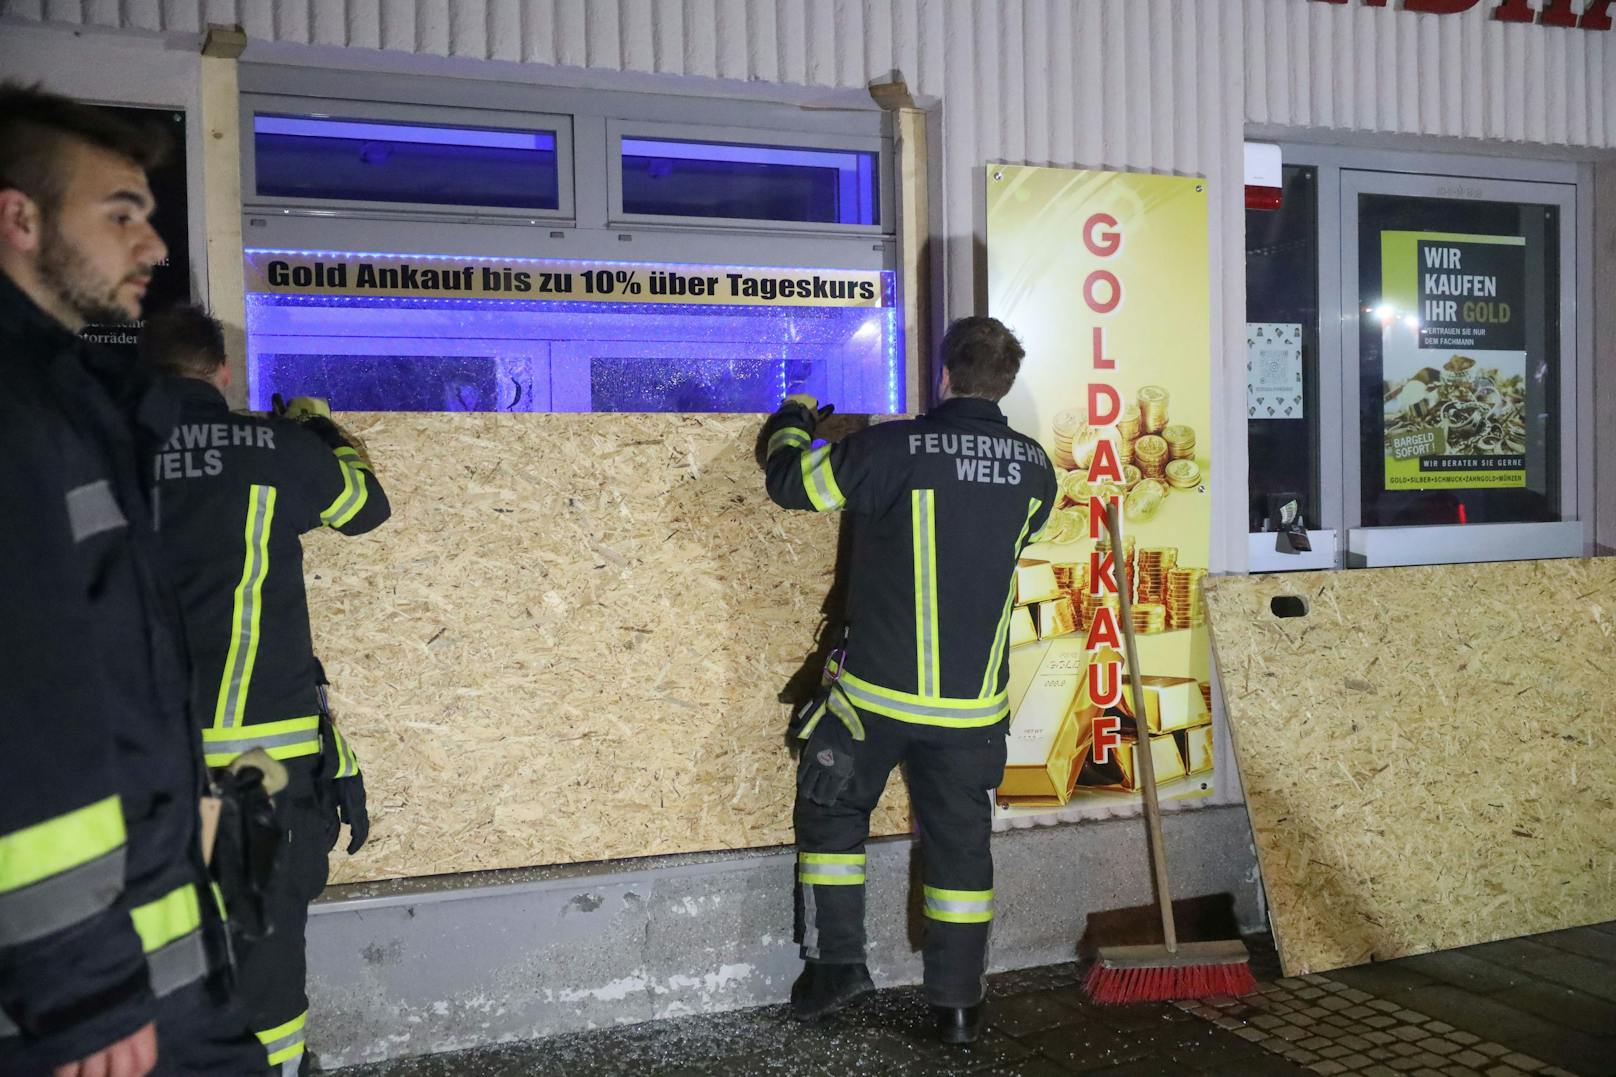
570, 641
1428, 754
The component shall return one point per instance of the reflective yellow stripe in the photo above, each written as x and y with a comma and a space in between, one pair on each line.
789, 437
355, 491
838, 705
926, 710
959, 906
1001, 636
60, 844
831, 869
296, 1024
351, 455
160, 922
288, 739
246, 613
923, 531
819, 482
285, 1042
347, 761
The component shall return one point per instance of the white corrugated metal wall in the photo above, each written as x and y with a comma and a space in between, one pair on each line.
1353, 67
1137, 84
1162, 85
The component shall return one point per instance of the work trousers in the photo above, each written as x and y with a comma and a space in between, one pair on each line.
197, 1036
951, 775
271, 977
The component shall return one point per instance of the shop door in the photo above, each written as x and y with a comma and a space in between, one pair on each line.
1458, 381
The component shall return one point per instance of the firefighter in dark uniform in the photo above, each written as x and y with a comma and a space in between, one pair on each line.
943, 506
113, 957
238, 492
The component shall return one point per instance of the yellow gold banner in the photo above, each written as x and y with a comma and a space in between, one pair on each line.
443, 277
1105, 276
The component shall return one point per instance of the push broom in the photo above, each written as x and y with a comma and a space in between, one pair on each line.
1174, 970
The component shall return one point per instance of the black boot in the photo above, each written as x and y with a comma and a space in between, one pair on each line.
822, 989
958, 1024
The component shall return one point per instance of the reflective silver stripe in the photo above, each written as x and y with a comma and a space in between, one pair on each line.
818, 480
247, 742
91, 509
291, 1066
354, 492
988, 708
291, 1039
810, 922
788, 436
7, 1028
242, 654
182, 961
64, 899
856, 870
942, 905
925, 543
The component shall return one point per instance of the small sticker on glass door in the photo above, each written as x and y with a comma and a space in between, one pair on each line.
1274, 370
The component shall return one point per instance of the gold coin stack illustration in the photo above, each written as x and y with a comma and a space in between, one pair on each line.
1152, 409
1150, 456
1066, 426
1128, 432
1154, 563
1184, 606
1149, 618
1180, 440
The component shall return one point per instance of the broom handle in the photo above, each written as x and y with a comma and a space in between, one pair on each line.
1142, 752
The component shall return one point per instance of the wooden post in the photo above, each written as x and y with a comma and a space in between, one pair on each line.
221, 196
914, 235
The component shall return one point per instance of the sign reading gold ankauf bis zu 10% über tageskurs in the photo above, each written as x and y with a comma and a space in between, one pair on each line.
440, 277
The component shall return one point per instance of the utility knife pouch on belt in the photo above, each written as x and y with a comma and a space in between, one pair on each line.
249, 840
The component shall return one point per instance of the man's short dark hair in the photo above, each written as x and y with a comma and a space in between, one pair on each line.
982, 357
183, 341
37, 126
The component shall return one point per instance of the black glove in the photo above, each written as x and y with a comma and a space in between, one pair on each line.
351, 810
339, 767
826, 764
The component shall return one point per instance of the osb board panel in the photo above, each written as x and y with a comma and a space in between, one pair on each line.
1428, 755
569, 642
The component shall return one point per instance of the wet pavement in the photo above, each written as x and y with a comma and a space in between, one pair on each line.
1544, 1006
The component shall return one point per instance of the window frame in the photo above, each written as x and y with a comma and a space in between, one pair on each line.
1356, 546
617, 129
446, 116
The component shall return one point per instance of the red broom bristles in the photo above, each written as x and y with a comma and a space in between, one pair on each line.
1116, 987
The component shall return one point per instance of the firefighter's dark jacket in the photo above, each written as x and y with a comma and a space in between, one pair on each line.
237, 493
944, 505
103, 894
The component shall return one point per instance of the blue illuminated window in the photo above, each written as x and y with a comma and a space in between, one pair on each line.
451, 355
376, 161
678, 178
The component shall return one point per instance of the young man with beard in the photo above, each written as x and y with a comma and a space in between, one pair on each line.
111, 945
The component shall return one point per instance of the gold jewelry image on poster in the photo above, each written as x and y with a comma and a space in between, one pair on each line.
1105, 278
1453, 318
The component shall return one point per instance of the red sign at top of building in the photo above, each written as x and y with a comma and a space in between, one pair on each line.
1595, 14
